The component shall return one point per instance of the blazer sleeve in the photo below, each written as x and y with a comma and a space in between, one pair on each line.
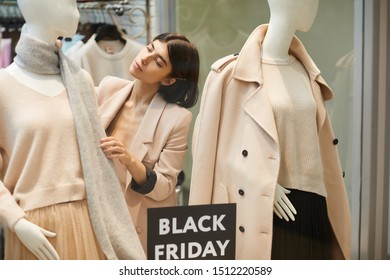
171, 159
205, 140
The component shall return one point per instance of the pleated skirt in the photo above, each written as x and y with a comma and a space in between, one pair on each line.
309, 237
75, 239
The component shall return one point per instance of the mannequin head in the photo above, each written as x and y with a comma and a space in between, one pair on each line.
298, 14
49, 19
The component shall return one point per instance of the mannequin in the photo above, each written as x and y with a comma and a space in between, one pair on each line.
45, 182
263, 140
31, 235
286, 18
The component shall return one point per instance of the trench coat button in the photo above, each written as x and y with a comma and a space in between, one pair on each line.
139, 230
245, 153
335, 141
242, 229
241, 192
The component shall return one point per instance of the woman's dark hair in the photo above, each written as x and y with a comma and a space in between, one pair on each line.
184, 58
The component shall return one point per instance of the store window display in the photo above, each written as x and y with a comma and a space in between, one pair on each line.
263, 140
59, 195
148, 122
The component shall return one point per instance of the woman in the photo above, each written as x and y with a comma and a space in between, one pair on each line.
148, 123
264, 141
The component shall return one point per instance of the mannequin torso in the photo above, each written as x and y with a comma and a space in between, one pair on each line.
48, 85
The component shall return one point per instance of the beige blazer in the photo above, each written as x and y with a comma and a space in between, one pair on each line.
160, 143
236, 153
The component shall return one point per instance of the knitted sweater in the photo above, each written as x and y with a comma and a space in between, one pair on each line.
99, 63
39, 157
295, 111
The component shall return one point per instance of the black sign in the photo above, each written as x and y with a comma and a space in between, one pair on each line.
192, 232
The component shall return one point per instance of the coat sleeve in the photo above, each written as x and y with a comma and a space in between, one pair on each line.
171, 160
205, 141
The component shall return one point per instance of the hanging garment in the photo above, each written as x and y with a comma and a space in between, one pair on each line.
5, 52
107, 58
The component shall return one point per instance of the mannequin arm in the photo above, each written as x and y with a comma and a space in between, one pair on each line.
34, 238
283, 208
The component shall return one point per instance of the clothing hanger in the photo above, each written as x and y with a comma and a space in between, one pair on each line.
109, 32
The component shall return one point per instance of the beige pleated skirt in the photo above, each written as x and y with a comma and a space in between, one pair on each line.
75, 239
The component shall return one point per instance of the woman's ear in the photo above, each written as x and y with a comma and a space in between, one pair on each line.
168, 81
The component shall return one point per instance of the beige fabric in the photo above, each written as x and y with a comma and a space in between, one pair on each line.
75, 239
236, 119
295, 113
100, 63
160, 143
31, 177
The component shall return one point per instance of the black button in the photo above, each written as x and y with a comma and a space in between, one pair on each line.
343, 174
335, 141
241, 192
241, 228
245, 153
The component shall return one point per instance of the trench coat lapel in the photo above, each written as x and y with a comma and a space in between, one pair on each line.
320, 94
257, 104
145, 133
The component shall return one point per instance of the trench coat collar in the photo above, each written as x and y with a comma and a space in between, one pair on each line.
247, 71
258, 105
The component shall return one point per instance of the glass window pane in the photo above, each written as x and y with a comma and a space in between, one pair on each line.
218, 29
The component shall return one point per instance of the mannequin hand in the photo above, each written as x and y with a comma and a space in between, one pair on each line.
34, 238
282, 205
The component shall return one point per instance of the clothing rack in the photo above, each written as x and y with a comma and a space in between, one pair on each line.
94, 12
106, 11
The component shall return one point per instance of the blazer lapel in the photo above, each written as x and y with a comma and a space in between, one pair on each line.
257, 105
111, 106
145, 133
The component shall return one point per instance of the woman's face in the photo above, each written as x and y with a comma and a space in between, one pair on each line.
152, 64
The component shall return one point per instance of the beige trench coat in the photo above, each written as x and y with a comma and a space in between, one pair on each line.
160, 143
236, 153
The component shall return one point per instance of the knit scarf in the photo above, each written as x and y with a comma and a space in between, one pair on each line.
107, 207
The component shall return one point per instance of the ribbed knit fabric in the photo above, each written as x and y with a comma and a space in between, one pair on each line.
295, 116
107, 58
108, 211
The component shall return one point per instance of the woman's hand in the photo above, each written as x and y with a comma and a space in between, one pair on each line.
113, 148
